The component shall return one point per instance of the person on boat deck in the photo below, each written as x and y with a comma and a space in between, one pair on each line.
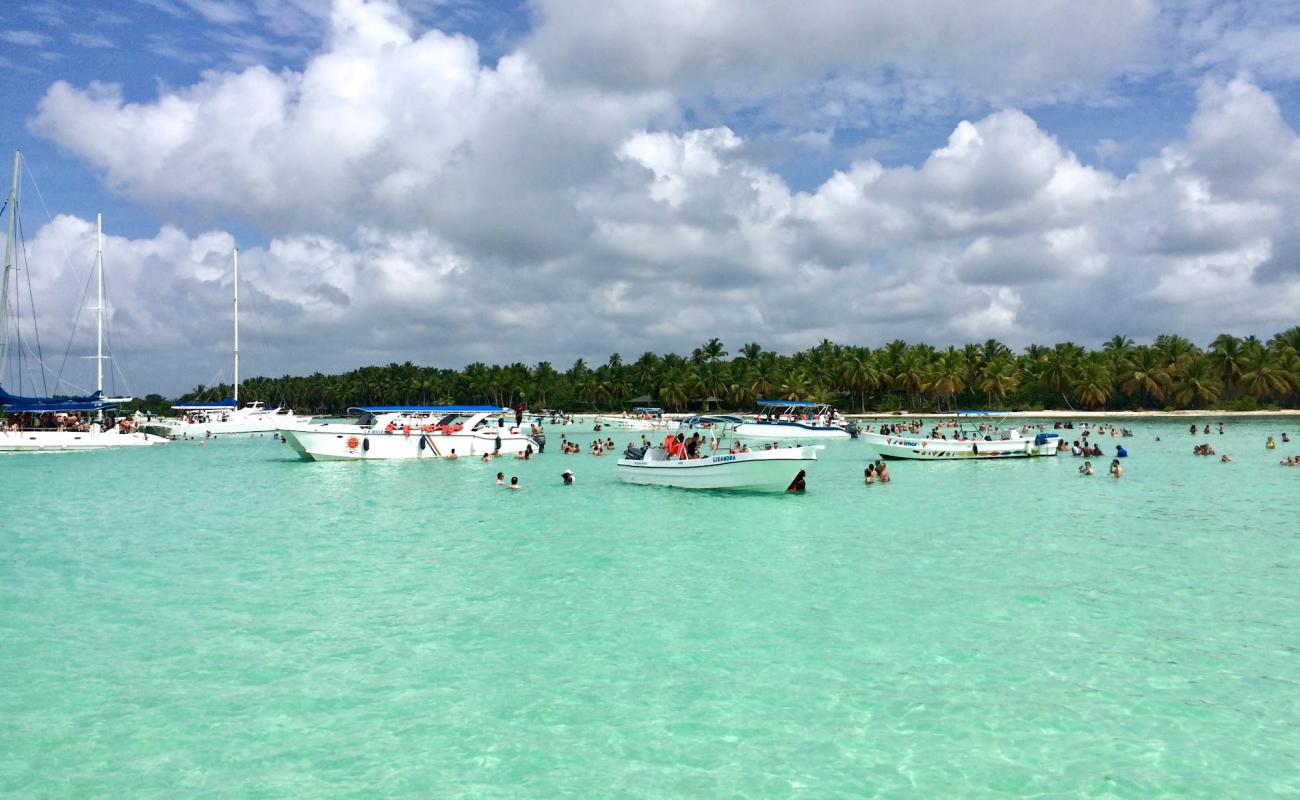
798, 484
669, 440
1086, 469
693, 446
1116, 471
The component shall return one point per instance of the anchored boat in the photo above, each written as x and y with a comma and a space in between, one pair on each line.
644, 418
412, 432
970, 441
793, 419
755, 470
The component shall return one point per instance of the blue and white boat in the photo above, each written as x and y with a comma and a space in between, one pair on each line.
974, 439
794, 419
642, 418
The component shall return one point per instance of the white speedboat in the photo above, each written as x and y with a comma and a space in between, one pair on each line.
412, 432
756, 470
646, 418
793, 419
200, 420
968, 442
60, 424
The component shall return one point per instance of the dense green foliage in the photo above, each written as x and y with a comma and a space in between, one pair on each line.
1232, 372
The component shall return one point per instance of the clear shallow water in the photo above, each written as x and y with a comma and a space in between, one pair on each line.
227, 620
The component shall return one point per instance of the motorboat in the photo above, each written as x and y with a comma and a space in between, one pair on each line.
970, 441
226, 418
793, 419
413, 432
771, 470
643, 418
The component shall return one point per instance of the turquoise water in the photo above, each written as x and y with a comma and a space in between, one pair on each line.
228, 621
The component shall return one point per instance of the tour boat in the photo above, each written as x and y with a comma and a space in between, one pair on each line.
970, 442
61, 423
408, 432
793, 419
646, 418
757, 470
224, 418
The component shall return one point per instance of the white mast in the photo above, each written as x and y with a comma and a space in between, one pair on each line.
99, 309
9, 267
236, 327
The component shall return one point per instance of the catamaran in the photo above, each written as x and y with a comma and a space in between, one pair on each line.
412, 432
793, 419
970, 441
61, 423
226, 417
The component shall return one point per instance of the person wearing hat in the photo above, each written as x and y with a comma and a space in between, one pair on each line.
567, 477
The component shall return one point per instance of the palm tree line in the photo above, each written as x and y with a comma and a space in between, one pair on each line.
1172, 372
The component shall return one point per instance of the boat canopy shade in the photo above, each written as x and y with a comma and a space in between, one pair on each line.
649, 409
982, 413
229, 402
714, 419
16, 404
429, 409
792, 403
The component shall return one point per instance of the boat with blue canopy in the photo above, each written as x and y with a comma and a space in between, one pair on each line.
794, 419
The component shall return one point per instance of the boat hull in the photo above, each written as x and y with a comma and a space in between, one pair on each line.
789, 430
262, 423
762, 471
916, 448
67, 441
331, 442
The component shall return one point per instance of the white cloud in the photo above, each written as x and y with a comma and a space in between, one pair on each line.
23, 38
418, 203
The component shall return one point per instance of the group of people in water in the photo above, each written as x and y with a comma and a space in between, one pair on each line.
1116, 469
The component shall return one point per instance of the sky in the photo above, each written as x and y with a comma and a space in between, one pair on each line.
445, 181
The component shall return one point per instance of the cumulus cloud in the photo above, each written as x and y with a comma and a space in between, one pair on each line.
416, 202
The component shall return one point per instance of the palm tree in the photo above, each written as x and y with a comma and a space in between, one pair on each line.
997, 379
1263, 375
1226, 354
1196, 383
859, 373
946, 377
1144, 375
1093, 383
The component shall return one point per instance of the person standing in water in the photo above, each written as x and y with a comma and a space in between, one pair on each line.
798, 484
1116, 471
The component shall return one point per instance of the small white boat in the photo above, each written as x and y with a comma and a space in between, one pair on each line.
413, 432
647, 418
793, 419
200, 420
969, 442
757, 470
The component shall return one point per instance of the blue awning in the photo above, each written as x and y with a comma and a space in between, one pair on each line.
229, 402
17, 404
792, 403
429, 409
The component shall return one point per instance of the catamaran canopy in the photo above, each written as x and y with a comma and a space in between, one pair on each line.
793, 403
16, 404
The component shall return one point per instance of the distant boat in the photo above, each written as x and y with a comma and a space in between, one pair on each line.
757, 470
970, 442
643, 418
224, 418
53, 424
793, 419
412, 432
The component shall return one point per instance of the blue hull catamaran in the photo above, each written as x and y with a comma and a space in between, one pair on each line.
974, 439
794, 419
59, 423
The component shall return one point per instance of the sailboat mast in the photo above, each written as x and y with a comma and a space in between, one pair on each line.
99, 308
9, 267
236, 327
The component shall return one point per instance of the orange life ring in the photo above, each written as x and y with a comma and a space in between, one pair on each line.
353, 442
457, 426
427, 429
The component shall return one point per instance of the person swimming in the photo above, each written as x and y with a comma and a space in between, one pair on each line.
1086, 469
501, 479
1116, 471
